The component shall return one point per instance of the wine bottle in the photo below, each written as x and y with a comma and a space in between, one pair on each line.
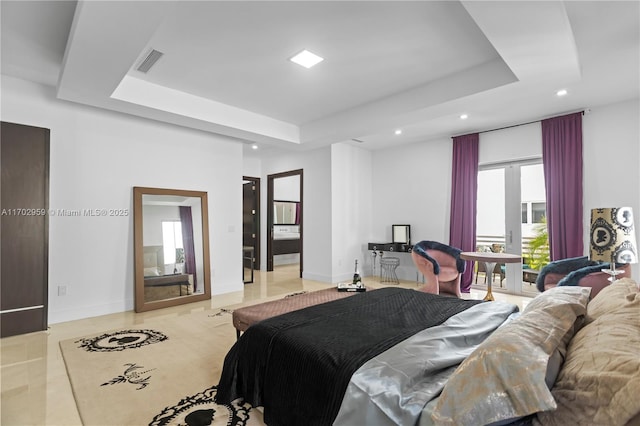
357, 280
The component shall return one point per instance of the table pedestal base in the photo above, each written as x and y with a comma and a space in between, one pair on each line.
489, 266
490, 260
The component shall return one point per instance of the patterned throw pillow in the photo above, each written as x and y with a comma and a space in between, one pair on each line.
505, 377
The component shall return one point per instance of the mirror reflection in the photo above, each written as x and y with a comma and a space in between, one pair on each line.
401, 234
172, 244
286, 212
172, 266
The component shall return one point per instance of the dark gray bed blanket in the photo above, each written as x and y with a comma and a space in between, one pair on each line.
298, 365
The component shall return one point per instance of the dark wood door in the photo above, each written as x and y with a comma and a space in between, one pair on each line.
251, 218
24, 205
271, 219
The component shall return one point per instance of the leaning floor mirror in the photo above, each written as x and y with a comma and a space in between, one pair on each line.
171, 243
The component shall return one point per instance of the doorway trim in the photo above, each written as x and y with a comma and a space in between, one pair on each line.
270, 218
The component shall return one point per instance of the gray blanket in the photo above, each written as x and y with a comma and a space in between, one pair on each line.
394, 387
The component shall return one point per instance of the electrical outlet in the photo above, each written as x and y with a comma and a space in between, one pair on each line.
62, 290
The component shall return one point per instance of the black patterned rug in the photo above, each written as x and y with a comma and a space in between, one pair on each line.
200, 409
161, 374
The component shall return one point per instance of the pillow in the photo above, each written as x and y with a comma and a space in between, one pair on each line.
599, 382
504, 378
610, 298
151, 272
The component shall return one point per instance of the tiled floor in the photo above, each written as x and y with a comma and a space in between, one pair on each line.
34, 384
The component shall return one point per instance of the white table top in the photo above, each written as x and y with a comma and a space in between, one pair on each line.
491, 257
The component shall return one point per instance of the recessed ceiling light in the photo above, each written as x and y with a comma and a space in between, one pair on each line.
306, 59
398, 132
463, 116
254, 146
561, 92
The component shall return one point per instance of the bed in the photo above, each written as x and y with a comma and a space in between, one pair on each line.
154, 275
398, 356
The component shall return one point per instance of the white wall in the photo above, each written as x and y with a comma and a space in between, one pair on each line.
96, 157
286, 188
251, 166
411, 186
351, 200
316, 207
611, 153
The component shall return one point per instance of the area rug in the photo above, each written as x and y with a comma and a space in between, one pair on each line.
161, 373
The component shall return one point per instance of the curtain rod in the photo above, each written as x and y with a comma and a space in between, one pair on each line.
518, 125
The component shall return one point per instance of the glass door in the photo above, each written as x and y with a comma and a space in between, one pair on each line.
533, 211
490, 224
511, 210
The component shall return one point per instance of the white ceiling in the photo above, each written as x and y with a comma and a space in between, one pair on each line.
415, 65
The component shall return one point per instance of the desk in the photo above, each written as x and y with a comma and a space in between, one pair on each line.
490, 260
380, 249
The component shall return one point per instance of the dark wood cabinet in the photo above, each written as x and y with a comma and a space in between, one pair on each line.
24, 227
286, 246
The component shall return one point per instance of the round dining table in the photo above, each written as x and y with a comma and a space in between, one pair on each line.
490, 259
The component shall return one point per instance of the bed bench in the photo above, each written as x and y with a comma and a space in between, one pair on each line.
243, 318
167, 281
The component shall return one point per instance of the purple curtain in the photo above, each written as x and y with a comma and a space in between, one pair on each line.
464, 194
297, 221
562, 162
187, 242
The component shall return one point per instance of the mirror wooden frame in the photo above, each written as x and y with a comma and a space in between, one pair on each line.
140, 304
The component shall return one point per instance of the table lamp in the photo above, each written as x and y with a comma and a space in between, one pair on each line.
613, 238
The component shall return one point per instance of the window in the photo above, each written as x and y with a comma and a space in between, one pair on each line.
533, 212
171, 240
538, 211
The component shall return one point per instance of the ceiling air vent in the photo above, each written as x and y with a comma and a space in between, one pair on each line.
150, 60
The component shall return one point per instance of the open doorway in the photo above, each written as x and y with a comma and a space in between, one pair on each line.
284, 220
250, 227
511, 218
